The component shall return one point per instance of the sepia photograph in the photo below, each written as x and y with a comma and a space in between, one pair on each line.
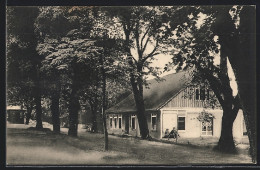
131, 85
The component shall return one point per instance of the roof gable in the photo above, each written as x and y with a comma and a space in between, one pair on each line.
156, 95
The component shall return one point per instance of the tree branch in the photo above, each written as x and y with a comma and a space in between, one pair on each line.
146, 32
152, 53
139, 50
143, 48
214, 84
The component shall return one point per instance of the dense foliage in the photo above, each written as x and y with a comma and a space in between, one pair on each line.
73, 55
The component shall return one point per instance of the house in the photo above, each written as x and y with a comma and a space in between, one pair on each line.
15, 114
166, 107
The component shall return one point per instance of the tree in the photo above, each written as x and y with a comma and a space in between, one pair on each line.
91, 93
48, 25
66, 54
238, 44
139, 28
22, 54
19, 90
196, 46
20, 95
71, 57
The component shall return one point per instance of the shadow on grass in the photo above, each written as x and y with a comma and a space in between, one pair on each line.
83, 143
43, 129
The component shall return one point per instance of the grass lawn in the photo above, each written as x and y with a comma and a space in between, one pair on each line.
31, 147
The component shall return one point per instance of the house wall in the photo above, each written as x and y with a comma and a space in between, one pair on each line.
134, 132
181, 106
15, 116
168, 118
113, 129
192, 107
186, 98
193, 127
155, 133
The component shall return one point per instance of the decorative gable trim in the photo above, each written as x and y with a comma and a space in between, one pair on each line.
170, 99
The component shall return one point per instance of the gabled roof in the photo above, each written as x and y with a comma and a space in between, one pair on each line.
14, 108
158, 93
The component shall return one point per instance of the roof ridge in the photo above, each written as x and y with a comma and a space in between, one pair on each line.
158, 93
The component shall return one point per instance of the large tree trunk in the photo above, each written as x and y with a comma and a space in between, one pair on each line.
55, 111
28, 114
38, 109
240, 46
140, 108
244, 65
38, 112
226, 142
229, 104
74, 107
38, 105
73, 116
137, 86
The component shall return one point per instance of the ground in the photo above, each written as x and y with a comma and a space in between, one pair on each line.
26, 146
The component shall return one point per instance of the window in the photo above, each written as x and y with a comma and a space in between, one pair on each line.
153, 120
207, 94
132, 124
120, 122
181, 123
197, 94
115, 119
110, 121
207, 128
202, 94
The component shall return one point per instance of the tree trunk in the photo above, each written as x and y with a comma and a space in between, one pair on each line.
55, 112
74, 107
244, 65
105, 129
38, 110
240, 46
38, 113
140, 108
226, 142
137, 89
28, 114
38, 105
104, 103
94, 118
73, 116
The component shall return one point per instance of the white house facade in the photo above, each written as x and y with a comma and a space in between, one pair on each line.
167, 107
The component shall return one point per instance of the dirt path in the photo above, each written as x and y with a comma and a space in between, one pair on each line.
31, 147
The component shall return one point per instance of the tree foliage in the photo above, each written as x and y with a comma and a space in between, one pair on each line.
92, 53
139, 28
205, 116
23, 62
196, 46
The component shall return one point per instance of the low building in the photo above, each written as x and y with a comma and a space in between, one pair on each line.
15, 114
166, 107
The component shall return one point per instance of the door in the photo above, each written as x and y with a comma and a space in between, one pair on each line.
169, 120
207, 128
